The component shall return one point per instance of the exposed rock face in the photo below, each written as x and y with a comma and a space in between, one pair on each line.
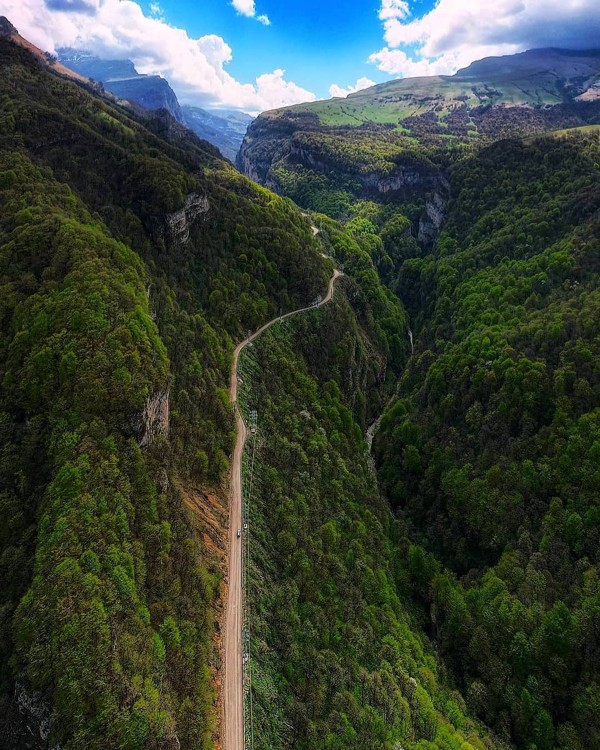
154, 420
122, 79
429, 225
179, 222
6, 27
255, 168
29, 721
402, 178
225, 130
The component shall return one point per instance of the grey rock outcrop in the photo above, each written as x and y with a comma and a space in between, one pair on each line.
400, 179
430, 223
6, 27
28, 725
154, 420
180, 222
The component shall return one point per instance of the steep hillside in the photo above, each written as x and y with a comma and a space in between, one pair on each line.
225, 130
337, 657
451, 605
130, 262
131, 259
393, 142
533, 79
122, 79
490, 452
8, 31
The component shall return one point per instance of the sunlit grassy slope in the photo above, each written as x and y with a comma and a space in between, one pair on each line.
531, 79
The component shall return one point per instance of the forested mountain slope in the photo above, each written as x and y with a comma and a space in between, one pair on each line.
393, 142
338, 659
223, 129
490, 452
131, 259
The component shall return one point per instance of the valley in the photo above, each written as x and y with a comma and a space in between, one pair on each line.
235, 671
371, 350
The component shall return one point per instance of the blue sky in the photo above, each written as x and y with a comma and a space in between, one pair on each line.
317, 42
254, 55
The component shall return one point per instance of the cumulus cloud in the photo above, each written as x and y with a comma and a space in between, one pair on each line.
456, 32
244, 7
156, 11
82, 6
362, 83
196, 68
393, 9
273, 88
248, 8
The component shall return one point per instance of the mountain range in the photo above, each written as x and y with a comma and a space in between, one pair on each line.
224, 129
535, 79
397, 138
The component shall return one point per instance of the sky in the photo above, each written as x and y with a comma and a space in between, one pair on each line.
255, 55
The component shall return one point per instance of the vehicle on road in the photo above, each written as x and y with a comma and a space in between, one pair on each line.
239, 533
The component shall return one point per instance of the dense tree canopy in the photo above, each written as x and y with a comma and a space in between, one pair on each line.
490, 451
131, 258
338, 656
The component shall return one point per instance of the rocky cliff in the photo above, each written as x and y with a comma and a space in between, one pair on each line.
395, 141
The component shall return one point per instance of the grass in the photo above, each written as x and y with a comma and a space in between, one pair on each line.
393, 102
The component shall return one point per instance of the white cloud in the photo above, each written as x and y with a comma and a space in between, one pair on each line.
456, 32
362, 83
398, 63
248, 8
273, 88
393, 9
156, 11
120, 29
244, 7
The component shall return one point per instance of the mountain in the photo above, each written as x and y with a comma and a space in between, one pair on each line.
489, 452
8, 31
125, 251
122, 79
421, 526
534, 79
226, 130
477, 198
132, 259
223, 129
394, 140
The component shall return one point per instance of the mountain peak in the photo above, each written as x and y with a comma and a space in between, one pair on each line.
563, 62
6, 27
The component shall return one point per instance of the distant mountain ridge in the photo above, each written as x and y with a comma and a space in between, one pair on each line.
536, 78
121, 78
394, 140
225, 131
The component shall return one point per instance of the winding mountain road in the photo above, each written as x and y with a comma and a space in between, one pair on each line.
233, 694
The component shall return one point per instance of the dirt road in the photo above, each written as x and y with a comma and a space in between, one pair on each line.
233, 697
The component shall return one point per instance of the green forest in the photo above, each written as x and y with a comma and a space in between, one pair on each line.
338, 656
108, 309
487, 451
490, 450
436, 591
